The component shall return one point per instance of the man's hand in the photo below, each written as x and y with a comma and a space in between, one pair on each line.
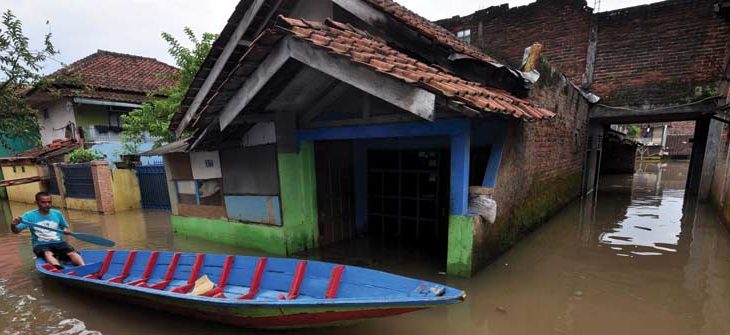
14, 225
66, 231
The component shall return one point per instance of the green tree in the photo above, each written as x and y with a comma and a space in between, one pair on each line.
633, 131
155, 116
20, 69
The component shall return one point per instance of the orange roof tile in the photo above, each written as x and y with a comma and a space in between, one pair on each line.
362, 48
428, 28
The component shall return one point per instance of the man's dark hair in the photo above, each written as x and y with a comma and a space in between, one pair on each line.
41, 194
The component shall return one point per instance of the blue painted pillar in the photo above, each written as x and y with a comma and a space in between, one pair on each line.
495, 158
360, 162
460, 147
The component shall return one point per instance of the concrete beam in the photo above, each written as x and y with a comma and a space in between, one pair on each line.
620, 115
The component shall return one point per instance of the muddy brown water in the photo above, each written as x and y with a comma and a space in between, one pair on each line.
638, 258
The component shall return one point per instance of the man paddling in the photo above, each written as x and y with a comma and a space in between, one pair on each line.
47, 244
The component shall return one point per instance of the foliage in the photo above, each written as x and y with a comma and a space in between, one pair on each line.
154, 117
19, 69
84, 155
633, 131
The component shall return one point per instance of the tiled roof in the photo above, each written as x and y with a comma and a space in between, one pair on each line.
55, 149
428, 28
117, 71
366, 50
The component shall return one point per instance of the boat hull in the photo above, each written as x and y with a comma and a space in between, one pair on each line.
253, 292
260, 317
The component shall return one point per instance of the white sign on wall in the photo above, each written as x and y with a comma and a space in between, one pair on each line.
205, 165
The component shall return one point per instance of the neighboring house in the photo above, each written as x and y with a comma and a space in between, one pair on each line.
85, 99
319, 122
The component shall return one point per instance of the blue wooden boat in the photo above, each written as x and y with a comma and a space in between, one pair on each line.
255, 292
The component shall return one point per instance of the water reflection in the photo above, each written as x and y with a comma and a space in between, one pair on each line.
638, 258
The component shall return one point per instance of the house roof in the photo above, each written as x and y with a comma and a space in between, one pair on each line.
55, 149
114, 76
264, 17
429, 29
363, 49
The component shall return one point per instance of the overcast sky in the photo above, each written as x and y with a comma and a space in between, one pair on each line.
80, 27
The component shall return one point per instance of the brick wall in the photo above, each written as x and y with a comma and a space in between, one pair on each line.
541, 168
668, 52
103, 186
562, 26
665, 53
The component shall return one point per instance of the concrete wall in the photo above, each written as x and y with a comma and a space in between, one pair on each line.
720, 187
22, 193
60, 113
125, 187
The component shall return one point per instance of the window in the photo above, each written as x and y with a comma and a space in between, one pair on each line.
115, 122
464, 35
45, 113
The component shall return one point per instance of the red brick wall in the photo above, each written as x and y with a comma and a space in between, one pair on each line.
541, 168
562, 26
660, 53
665, 53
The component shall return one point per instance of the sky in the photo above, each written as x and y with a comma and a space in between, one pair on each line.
81, 27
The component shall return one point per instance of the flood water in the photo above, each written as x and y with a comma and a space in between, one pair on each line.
638, 258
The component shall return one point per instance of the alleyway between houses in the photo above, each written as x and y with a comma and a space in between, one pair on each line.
636, 259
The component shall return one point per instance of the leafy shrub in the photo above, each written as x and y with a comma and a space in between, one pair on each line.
84, 155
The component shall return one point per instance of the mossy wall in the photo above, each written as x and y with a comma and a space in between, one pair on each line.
541, 170
255, 236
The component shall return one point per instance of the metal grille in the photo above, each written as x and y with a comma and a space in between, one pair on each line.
52, 184
78, 181
153, 187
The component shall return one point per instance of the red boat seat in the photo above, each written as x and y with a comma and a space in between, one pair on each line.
334, 284
104, 266
125, 269
256, 280
296, 282
193, 275
225, 272
168, 274
151, 262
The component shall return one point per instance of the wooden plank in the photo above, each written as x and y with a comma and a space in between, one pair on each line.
219, 63
407, 97
21, 181
273, 62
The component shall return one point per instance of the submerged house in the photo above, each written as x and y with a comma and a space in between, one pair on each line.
318, 122
85, 100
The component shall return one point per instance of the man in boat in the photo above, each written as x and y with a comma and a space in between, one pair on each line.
47, 244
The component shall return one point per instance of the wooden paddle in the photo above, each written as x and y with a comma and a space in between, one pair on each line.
81, 236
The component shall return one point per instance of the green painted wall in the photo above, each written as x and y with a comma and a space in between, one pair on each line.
299, 198
88, 115
460, 249
267, 238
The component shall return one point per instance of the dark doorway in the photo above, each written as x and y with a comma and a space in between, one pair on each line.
334, 169
408, 195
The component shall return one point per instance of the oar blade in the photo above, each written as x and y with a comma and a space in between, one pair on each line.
94, 239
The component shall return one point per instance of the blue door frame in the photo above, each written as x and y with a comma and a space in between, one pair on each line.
460, 133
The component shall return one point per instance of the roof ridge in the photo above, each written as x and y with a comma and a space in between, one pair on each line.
396, 10
99, 52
